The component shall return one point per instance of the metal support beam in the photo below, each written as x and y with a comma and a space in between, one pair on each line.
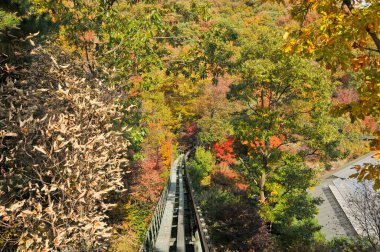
181, 212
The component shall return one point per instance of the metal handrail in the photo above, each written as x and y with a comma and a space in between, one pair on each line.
152, 232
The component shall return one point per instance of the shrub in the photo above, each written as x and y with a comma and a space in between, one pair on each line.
62, 157
201, 166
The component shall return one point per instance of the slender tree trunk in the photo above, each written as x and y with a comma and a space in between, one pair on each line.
265, 157
89, 65
375, 38
262, 186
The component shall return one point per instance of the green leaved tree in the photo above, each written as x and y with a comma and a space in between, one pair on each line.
285, 103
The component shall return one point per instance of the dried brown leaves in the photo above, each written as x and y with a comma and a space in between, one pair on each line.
61, 157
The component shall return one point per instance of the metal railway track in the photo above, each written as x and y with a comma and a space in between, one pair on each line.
177, 223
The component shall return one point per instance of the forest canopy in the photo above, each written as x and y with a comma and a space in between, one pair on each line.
98, 98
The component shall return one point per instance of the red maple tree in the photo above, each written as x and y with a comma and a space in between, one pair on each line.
224, 151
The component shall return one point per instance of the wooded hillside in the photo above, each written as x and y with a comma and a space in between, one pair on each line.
98, 98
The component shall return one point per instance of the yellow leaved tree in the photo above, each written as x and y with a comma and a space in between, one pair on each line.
343, 35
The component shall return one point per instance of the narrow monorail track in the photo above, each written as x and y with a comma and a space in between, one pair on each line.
177, 223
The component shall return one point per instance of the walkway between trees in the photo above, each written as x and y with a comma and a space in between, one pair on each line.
177, 224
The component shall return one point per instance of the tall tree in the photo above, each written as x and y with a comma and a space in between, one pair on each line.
285, 100
344, 34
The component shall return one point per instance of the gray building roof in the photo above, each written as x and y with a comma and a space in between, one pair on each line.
347, 170
335, 215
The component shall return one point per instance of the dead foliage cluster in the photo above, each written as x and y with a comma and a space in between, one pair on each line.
62, 157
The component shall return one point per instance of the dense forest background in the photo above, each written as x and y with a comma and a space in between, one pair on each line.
98, 98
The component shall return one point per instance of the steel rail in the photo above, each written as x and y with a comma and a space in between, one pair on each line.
193, 205
150, 239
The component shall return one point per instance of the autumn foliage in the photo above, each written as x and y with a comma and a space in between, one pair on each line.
149, 184
224, 151
274, 142
225, 176
98, 97
167, 154
345, 95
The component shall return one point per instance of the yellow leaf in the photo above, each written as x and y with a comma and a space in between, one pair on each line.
286, 35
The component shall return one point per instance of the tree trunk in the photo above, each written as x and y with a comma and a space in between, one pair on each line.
262, 187
265, 157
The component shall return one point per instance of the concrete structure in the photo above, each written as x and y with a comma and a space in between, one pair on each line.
335, 215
